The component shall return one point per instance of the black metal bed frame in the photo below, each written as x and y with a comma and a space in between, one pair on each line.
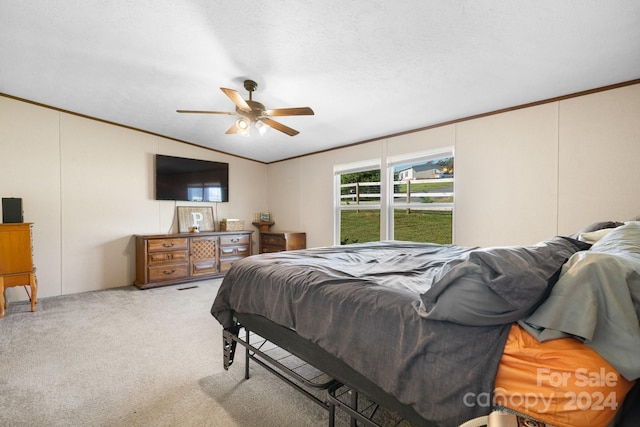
332, 383
340, 387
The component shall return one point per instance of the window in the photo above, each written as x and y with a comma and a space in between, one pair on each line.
421, 197
358, 202
412, 201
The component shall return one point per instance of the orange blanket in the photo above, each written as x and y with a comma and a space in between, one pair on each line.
561, 382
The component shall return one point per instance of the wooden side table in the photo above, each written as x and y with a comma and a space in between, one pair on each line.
16, 262
263, 227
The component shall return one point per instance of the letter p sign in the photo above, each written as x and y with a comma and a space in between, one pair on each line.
197, 217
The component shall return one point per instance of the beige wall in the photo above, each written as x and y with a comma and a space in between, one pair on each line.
599, 158
88, 188
30, 169
506, 177
521, 176
301, 191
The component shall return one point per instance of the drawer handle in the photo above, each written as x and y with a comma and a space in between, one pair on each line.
235, 240
173, 270
169, 245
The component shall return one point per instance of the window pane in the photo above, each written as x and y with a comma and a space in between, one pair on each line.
423, 200
423, 226
359, 226
360, 188
360, 207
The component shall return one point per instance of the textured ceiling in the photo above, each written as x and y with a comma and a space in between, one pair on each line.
367, 68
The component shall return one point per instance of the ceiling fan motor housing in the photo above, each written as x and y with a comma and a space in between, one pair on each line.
257, 110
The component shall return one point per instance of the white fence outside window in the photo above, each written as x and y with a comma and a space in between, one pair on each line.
362, 195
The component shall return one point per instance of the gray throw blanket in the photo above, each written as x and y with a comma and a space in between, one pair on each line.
597, 299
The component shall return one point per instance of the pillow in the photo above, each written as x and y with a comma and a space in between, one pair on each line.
596, 226
594, 236
625, 238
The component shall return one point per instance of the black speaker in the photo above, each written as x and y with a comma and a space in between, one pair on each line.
12, 210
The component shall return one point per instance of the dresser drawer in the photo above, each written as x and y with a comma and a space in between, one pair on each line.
234, 251
226, 263
204, 267
168, 272
240, 239
266, 249
155, 245
167, 257
274, 240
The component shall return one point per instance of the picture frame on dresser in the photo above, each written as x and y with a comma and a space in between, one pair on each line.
195, 217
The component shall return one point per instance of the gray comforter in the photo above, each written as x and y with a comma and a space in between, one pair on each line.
390, 311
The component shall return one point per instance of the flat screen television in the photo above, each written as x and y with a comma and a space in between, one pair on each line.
193, 180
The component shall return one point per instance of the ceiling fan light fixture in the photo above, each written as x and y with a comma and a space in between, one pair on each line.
262, 127
243, 126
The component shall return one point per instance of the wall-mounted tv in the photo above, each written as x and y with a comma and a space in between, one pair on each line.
193, 180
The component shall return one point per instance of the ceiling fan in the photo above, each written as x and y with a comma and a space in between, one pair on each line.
255, 112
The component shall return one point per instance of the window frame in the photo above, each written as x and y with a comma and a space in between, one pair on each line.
387, 205
409, 158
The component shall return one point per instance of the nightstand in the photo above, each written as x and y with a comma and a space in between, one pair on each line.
278, 241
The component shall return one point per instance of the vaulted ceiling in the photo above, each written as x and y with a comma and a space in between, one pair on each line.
368, 69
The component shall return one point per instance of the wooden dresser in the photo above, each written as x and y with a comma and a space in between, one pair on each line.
278, 241
16, 261
168, 259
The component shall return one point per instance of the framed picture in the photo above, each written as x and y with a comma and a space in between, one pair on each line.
194, 219
265, 216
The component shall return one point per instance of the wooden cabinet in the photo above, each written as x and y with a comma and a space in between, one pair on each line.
16, 261
168, 259
278, 241
203, 256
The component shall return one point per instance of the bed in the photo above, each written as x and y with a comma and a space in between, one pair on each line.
435, 332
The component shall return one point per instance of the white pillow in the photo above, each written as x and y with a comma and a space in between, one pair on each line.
594, 236
623, 239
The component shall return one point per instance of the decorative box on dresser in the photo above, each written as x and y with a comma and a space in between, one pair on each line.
278, 241
168, 259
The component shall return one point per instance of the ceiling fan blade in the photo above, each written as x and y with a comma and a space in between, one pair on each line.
236, 98
297, 111
204, 112
279, 126
233, 129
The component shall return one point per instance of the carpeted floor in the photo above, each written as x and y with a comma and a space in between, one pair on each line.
127, 357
